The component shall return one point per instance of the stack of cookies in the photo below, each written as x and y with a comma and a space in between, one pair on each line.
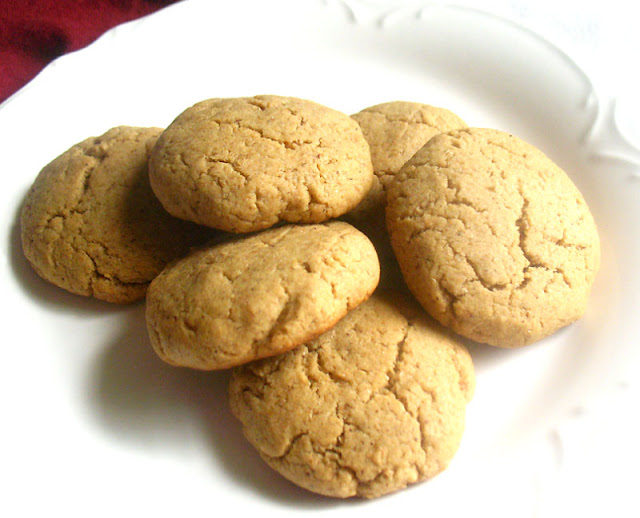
277, 237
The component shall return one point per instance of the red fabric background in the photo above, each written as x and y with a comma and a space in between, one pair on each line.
34, 32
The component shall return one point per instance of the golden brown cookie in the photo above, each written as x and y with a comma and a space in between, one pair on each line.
92, 225
259, 295
395, 131
492, 237
367, 408
245, 164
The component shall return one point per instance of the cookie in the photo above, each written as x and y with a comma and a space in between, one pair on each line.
492, 237
91, 224
245, 164
367, 408
259, 295
394, 131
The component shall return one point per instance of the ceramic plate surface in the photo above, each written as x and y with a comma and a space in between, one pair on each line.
98, 426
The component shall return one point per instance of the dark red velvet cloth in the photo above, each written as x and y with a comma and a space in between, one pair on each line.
34, 32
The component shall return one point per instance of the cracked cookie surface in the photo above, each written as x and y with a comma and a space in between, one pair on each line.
492, 237
259, 295
369, 407
394, 131
245, 164
91, 224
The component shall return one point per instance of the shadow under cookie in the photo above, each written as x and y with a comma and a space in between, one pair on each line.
147, 405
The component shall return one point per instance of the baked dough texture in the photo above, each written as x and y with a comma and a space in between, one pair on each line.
259, 295
245, 164
492, 237
91, 224
395, 130
369, 407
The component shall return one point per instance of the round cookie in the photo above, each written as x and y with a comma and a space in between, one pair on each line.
492, 237
394, 131
245, 164
367, 408
259, 295
92, 225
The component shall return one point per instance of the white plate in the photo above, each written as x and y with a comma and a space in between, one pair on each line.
99, 426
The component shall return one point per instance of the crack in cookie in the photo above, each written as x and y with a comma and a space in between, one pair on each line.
394, 132
246, 164
367, 408
91, 224
478, 219
259, 295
